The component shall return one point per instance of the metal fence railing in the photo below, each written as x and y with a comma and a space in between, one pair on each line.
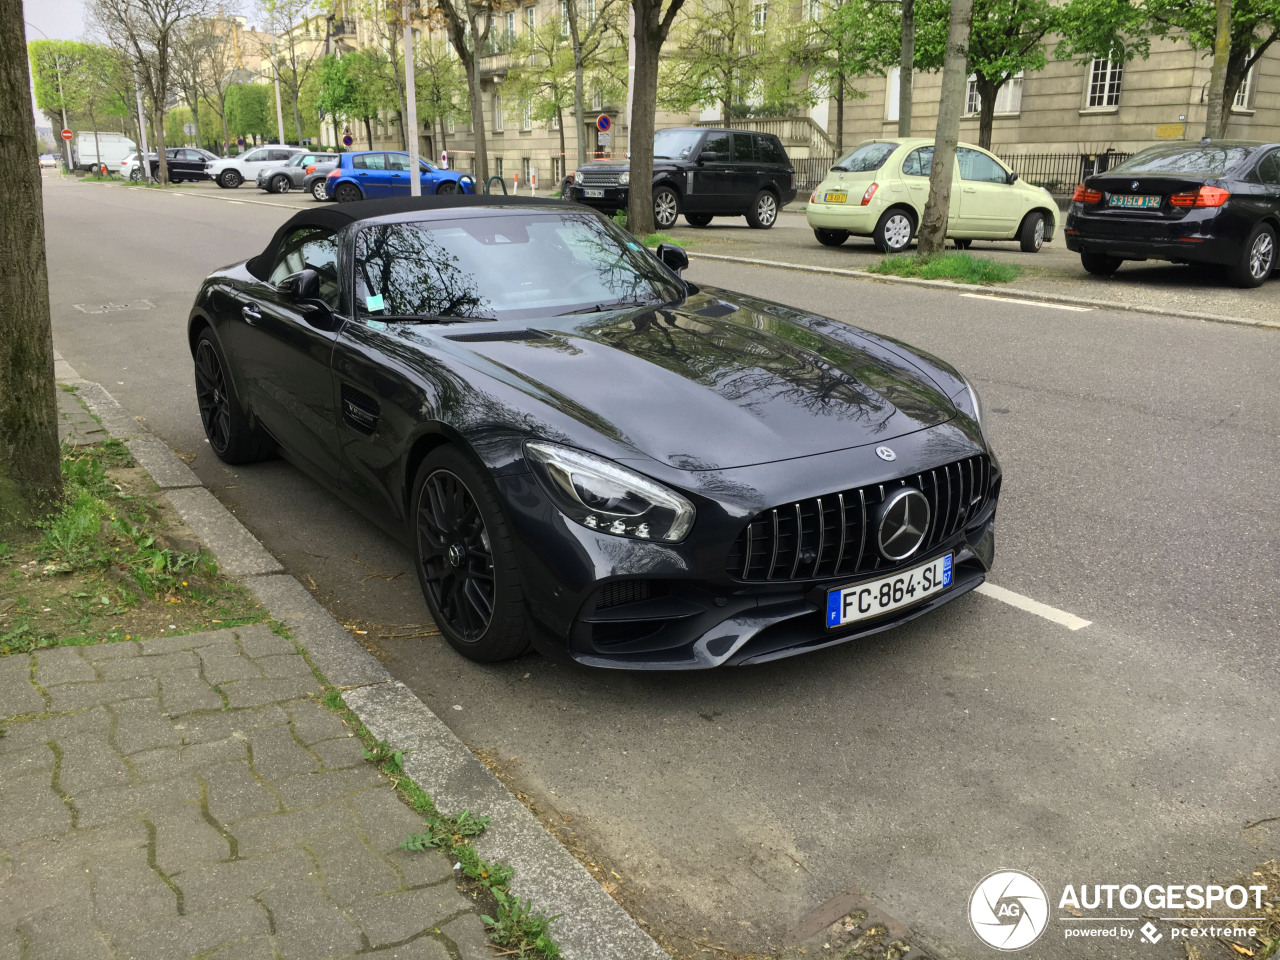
809, 173
1059, 173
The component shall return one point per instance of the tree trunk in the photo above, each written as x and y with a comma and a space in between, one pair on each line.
955, 74
578, 103
906, 68
643, 109
839, 114
30, 475
987, 91
368, 132
195, 119
161, 156
97, 147
560, 124
297, 118
472, 70
1215, 121
726, 110
226, 134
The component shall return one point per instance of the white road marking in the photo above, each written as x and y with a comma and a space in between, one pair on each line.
1030, 303
1053, 614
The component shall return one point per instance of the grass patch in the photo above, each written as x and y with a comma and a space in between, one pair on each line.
652, 239
960, 267
515, 925
98, 178
109, 564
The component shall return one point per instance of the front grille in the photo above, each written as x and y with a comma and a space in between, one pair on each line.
601, 177
834, 535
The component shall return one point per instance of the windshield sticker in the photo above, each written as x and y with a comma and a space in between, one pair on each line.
373, 303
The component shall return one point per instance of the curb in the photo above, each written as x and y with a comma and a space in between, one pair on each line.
1004, 293
592, 925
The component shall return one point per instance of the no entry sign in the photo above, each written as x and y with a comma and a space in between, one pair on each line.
67, 134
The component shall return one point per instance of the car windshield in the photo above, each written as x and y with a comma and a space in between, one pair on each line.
865, 157
1209, 160
507, 267
675, 144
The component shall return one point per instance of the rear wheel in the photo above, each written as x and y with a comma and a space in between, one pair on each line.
346, 193
230, 179
1257, 259
963, 243
666, 208
763, 212
281, 184
135, 175
465, 559
227, 426
1031, 236
894, 231
697, 219
1099, 264
830, 238
318, 190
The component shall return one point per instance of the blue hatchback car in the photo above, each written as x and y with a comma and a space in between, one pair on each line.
372, 174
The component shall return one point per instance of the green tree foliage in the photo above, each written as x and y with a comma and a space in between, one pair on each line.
294, 56
250, 110
441, 86
85, 79
820, 47
353, 88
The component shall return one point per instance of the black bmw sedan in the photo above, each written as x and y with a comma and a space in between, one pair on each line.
1215, 202
587, 454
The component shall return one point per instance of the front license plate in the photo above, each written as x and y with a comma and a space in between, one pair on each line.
1133, 201
836, 197
874, 598
592, 192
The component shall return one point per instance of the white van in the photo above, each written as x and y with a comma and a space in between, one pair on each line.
114, 146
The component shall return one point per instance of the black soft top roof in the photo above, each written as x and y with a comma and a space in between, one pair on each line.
338, 215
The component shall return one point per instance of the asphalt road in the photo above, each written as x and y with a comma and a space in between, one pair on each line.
1141, 493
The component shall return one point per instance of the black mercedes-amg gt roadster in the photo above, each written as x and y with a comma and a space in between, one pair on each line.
587, 454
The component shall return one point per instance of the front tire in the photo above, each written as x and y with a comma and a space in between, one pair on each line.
465, 559
347, 193
1099, 264
894, 231
231, 434
763, 212
1257, 259
318, 190
963, 243
1031, 236
666, 208
697, 219
230, 179
447, 188
281, 184
830, 238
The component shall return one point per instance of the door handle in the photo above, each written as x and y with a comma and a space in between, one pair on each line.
970, 189
251, 313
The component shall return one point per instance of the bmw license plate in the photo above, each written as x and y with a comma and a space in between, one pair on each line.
833, 197
875, 598
1133, 201
593, 192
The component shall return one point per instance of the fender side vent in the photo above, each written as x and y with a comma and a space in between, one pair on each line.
498, 336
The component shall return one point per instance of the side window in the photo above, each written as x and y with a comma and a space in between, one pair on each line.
397, 162
255, 156
717, 143
280, 155
370, 161
1269, 169
743, 148
310, 247
769, 150
919, 162
978, 166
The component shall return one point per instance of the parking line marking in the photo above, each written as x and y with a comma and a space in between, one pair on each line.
1068, 620
1032, 303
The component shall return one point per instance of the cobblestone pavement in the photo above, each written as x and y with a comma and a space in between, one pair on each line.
75, 424
188, 796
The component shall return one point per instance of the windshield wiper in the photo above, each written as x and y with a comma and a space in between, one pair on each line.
612, 305
429, 318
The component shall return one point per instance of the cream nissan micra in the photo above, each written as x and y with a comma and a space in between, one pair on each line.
880, 187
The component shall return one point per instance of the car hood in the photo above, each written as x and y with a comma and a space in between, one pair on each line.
721, 381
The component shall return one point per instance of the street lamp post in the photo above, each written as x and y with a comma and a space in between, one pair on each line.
411, 105
275, 68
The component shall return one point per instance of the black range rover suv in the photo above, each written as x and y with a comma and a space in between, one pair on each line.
700, 173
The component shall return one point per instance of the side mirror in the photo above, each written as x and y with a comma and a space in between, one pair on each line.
674, 257
303, 285
1012, 177
708, 156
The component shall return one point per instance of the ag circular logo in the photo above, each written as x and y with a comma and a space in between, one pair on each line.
1008, 910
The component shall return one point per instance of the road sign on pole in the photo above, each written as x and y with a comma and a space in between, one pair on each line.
67, 134
603, 123
347, 140
189, 129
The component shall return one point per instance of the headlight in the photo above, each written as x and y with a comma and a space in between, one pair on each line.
624, 178
577, 178
604, 496
969, 401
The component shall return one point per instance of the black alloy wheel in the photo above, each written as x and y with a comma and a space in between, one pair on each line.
1257, 258
963, 243
1099, 264
446, 187
466, 560
230, 433
230, 179
281, 184
318, 190
346, 193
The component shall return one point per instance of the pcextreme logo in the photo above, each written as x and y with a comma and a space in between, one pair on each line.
1008, 910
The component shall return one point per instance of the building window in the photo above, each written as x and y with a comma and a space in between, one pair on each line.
526, 116
759, 14
1241, 102
497, 166
524, 165
597, 99
555, 122
564, 18
1104, 83
529, 20
511, 24
557, 171
1008, 97
497, 113
449, 125
813, 10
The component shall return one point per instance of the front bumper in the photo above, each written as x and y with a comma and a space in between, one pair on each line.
612, 200
608, 602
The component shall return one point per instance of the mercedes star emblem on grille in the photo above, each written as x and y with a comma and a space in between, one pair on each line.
886, 453
904, 520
